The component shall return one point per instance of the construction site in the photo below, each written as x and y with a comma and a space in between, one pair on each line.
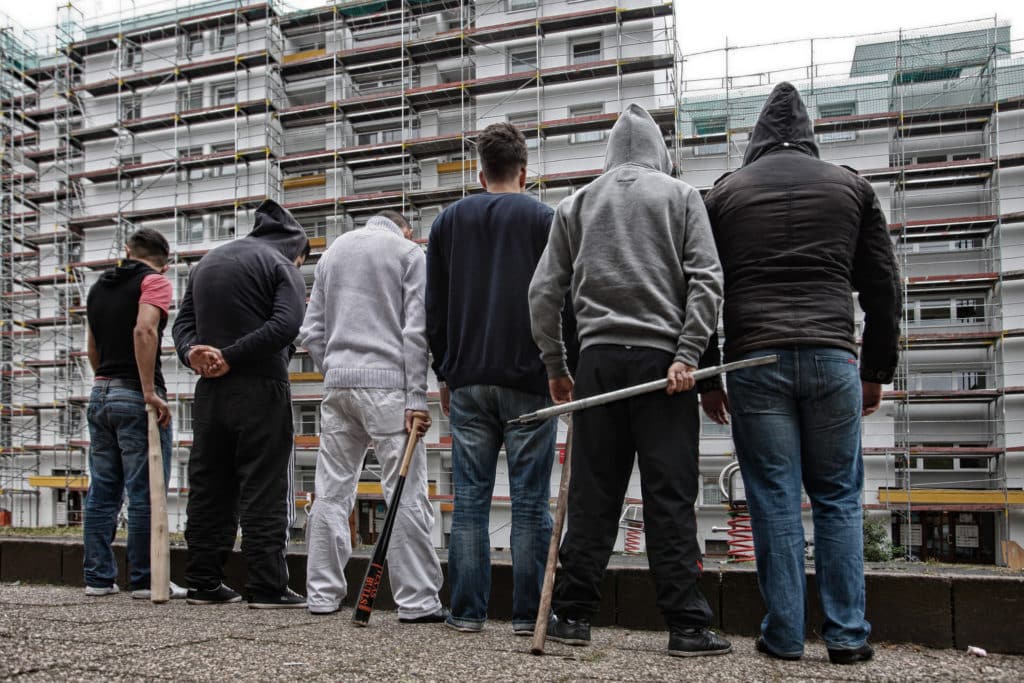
183, 116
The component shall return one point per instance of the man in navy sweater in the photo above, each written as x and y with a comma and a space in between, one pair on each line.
482, 253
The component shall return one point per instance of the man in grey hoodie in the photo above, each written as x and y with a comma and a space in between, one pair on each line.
366, 331
635, 249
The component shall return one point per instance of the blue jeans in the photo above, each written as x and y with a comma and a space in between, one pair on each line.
799, 421
479, 417
118, 461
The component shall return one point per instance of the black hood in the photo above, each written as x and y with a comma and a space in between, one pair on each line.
783, 124
275, 225
126, 269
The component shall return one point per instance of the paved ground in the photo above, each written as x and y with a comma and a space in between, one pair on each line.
55, 633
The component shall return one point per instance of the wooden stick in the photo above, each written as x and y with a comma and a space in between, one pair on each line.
159, 552
540, 627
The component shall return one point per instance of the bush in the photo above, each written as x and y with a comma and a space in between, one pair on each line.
877, 546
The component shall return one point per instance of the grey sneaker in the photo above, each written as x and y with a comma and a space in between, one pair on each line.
176, 593
568, 631
97, 591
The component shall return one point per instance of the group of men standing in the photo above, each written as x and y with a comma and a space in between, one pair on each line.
521, 306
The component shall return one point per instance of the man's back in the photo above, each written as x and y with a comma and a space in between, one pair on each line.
483, 251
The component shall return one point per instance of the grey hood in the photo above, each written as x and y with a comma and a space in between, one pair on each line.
275, 225
783, 124
636, 139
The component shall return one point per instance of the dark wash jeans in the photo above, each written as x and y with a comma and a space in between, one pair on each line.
119, 462
794, 422
479, 423
661, 433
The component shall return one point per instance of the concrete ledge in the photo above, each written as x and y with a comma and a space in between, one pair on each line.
933, 610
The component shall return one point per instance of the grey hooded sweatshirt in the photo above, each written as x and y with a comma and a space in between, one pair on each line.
635, 247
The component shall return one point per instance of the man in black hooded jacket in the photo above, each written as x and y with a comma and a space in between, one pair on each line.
239, 316
796, 236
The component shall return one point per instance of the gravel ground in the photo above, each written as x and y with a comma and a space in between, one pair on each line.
56, 633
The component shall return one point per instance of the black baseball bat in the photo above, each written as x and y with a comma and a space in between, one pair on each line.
375, 572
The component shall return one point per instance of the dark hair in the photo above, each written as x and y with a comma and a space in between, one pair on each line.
149, 244
396, 218
502, 149
306, 249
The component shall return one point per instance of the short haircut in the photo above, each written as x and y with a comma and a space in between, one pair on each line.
149, 244
502, 149
396, 218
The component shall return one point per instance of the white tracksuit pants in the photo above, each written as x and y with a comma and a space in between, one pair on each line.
351, 419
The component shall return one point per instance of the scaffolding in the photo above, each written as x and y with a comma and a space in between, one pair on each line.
183, 116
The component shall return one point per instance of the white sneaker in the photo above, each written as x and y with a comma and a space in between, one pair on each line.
97, 591
176, 593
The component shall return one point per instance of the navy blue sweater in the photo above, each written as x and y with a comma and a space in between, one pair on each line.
482, 253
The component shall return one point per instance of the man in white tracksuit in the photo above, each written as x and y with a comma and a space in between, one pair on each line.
365, 329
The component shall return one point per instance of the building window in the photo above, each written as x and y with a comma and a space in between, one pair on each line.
131, 107
516, 5
927, 75
522, 120
522, 59
185, 415
307, 420
313, 95
316, 227
190, 97
191, 45
834, 110
131, 57
224, 226
180, 284
70, 422
228, 168
930, 312
190, 229
224, 94
226, 38
193, 172
588, 50
586, 110
305, 479
712, 125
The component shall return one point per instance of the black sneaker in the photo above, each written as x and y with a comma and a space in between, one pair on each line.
437, 617
843, 655
221, 595
763, 648
568, 631
696, 642
289, 599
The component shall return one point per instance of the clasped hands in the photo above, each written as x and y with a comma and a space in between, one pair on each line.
207, 361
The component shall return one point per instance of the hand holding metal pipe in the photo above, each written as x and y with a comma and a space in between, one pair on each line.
636, 390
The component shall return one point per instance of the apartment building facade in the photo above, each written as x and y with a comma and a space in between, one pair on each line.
184, 120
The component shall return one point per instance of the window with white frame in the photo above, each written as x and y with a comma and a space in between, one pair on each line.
958, 310
70, 422
307, 419
131, 107
228, 168
834, 110
525, 119
226, 38
515, 5
185, 415
305, 478
190, 97
316, 227
586, 50
191, 172
710, 493
224, 94
586, 110
191, 45
522, 59
180, 284
190, 229
224, 226
131, 56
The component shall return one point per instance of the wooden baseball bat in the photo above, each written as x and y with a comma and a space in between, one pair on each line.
375, 572
540, 627
159, 553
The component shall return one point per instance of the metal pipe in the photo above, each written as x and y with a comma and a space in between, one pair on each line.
636, 390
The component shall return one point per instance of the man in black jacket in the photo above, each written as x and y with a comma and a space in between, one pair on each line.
796, 235
239, 316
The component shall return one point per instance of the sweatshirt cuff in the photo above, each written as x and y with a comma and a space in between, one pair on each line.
687, 356
556, 367
416, 400
877, 375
